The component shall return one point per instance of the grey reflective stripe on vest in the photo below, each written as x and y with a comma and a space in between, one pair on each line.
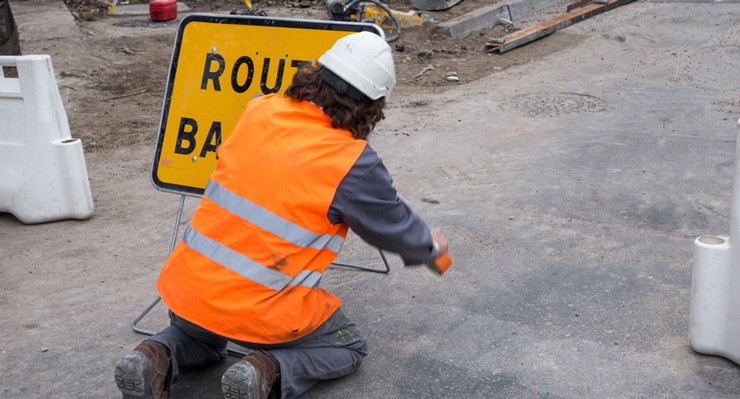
244, 266
271, 222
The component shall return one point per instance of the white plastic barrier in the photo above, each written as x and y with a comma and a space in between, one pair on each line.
714, 327
43, 176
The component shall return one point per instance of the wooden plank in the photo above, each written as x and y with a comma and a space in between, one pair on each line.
527, 35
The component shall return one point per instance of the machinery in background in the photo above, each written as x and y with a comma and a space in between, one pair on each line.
374, 11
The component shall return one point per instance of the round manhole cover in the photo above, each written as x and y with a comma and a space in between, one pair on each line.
554, 104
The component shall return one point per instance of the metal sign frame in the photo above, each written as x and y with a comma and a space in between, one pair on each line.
170, 177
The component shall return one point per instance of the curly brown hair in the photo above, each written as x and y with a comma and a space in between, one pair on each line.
357, 116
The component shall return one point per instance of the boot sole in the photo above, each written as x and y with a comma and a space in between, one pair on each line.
132, 377
240, 382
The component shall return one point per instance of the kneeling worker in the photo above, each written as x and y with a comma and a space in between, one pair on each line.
295, 174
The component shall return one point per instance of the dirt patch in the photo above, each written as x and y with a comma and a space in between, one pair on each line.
122, 85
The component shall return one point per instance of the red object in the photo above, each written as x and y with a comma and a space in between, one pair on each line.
440, 264
163, 10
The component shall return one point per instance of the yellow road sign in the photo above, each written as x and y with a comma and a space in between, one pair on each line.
218, 64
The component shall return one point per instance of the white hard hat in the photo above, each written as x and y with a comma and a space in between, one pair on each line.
364, 60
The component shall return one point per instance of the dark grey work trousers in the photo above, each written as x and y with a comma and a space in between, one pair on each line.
335, 349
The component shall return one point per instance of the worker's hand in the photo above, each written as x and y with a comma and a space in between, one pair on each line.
442, 260
440, 239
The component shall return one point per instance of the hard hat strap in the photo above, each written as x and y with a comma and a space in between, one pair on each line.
341, 86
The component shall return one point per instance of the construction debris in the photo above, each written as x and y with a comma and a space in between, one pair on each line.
426, 68
576, 12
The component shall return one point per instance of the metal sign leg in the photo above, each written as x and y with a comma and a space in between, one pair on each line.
367, 269
151, 306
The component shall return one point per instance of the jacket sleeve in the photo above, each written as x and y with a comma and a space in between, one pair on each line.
368, 203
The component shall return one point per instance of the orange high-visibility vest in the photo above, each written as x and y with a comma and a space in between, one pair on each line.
250, 262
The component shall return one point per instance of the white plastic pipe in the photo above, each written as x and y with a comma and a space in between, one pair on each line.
714, 325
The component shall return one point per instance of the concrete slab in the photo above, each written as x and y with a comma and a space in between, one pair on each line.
481, 18
50, 21
491, 15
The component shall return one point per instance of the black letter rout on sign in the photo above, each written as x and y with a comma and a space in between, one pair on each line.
297, 64
278, 80
238, 69
213, 140
208, 74
188, 136
250, 74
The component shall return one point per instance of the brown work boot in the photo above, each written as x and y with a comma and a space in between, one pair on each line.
252, 377
142, 373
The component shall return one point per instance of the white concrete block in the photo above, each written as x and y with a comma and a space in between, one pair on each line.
44, 175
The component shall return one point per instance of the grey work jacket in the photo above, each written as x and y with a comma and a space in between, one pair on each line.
368, 203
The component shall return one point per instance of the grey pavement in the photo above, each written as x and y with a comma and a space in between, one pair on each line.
571, 189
